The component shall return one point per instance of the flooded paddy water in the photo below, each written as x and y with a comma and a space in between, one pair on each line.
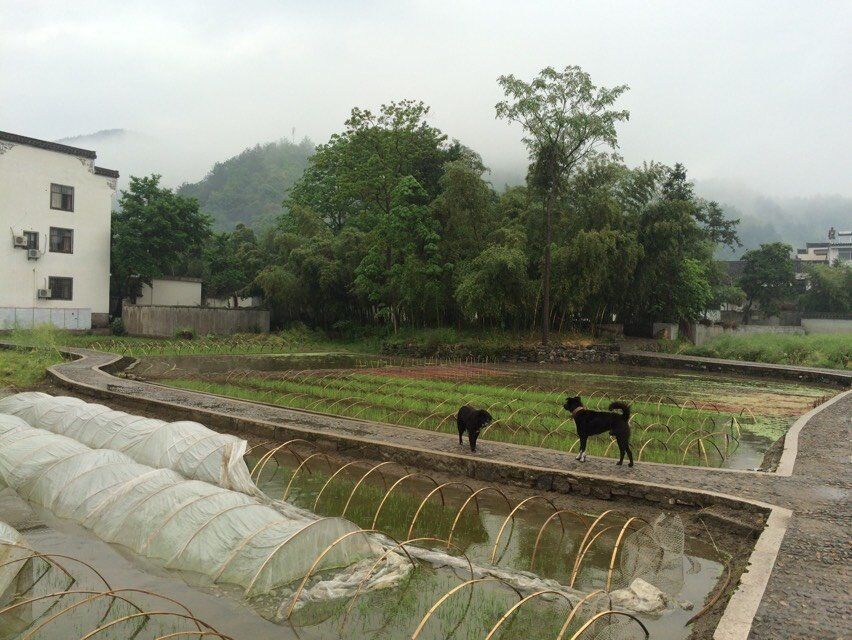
478, 561
678, 417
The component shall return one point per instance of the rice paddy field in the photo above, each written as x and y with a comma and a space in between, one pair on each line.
677, 417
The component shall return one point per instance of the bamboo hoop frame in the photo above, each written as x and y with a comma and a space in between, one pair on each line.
394, 486
423, 502
509, 517
452, 591
597, 616
519, 604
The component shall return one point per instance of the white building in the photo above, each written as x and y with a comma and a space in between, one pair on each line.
839, 246
170, 292
55, 208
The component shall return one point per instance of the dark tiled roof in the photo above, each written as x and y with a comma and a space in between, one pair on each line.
109, 173
49, 146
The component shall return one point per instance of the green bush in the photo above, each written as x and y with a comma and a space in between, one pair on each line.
832, 351
117, 327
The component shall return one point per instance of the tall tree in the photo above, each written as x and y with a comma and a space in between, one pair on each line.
154, 233
566, 120
767, 277
352, 178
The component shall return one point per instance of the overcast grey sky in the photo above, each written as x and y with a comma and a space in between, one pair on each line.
758, 93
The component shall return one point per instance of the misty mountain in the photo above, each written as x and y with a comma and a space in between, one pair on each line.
132, 153
767, 219
250, 187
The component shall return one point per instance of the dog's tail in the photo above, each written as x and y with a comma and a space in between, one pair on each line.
621, 406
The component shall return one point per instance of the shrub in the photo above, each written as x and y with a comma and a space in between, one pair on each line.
117, 327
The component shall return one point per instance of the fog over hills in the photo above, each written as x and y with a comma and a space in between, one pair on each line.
248, 186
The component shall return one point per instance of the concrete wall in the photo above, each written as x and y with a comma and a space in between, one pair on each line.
25, 176
826, 325
165, 321
170, 293
27, 318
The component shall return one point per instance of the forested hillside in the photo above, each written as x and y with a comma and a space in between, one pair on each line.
250, 187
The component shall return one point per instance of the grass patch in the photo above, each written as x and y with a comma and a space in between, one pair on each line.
295, 340
24, 369
833, 351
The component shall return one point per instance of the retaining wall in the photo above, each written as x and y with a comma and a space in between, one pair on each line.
166, 321
62, 318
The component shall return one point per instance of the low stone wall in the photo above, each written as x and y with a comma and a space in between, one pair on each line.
593, 353
166, 321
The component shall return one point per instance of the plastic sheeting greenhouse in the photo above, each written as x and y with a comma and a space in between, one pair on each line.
187, 524
189, 448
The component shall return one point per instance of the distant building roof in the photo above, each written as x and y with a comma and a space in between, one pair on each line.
58, 148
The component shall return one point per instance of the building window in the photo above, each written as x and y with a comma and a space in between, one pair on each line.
61, 240
61, 197
844, 254
60, 288
32, 239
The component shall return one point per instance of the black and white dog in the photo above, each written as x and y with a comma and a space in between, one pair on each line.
592, 423
472, 420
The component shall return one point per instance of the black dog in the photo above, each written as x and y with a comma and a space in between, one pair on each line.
591, 423
472, 420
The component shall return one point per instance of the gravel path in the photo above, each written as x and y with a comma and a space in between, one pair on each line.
808, 594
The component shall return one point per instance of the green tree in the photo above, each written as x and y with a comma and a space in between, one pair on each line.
154, 233
767, 277
401, 273
566, 120
231, 263
829, 288
352, 179
494, 287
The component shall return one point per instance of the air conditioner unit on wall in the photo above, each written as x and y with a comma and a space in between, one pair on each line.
33, 254
19, 241
44, 293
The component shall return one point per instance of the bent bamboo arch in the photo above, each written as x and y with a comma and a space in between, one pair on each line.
400, 545
423, 502
511, 515
452, 591
364, 477
322, 555
600, 615
521, 603
395, 485
473, 496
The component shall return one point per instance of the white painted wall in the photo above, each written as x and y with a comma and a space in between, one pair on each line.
170, 293
25, 176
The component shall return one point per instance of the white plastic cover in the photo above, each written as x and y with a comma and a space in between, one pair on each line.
13, 549
187, 524
189, 448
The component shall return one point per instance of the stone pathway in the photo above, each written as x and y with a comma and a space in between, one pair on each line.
809, 594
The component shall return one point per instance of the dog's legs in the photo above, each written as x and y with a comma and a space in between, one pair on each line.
581, 456
624, 447
461, 430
